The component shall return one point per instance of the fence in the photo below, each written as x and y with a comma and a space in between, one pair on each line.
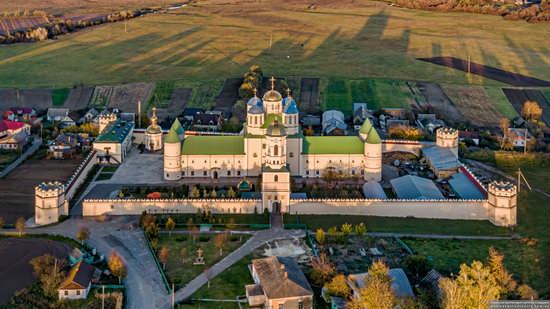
167, 285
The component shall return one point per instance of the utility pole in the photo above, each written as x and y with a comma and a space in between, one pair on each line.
469, 63
270, 42
521, 176
139, 114
103, 297
172, 295
125, 27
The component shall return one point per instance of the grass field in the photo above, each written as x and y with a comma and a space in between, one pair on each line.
520, 259
180, 269
59, 96
350, 40
204, 91
162, 94
500, 102
546, 93
7, 157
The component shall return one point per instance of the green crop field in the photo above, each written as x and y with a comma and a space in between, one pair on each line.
59, 96
500, 102
206, 41
162, 94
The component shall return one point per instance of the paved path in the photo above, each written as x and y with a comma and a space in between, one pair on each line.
260, 238
144, 285
491, 169
35, 144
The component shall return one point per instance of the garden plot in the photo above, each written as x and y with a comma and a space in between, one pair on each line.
40, 99
437, 102
126, 97
475, 104
15, 255
101, 96
17, 188
79, 98
518, 97
177, 104
309, 93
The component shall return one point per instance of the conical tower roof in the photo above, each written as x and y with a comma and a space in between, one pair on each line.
177, 127
373, 137
172, 137
365, 128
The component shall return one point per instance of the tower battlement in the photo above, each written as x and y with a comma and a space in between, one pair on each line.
502, 188
447, 133
50, 189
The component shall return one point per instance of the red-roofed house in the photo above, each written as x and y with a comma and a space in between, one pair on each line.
13, 134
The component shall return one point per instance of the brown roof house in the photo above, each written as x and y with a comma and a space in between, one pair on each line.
78, 282
279, 284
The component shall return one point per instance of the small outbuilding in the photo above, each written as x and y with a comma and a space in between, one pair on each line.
415, 188
78, 282
373, 190
465, 188
443, 161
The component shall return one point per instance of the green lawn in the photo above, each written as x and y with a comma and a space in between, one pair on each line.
162, 94
447, 255
227, 285
356, 41
500, 102
381, 93
337, 96
204, 91
7, 157
402, 225
180, 269
59, 96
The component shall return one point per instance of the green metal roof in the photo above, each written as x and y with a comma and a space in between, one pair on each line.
269, 118
172, 137
365, 128
332, 145
213, 145
177, 126
373, 137
115, 132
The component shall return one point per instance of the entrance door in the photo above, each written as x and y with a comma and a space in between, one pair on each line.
276, 208
215, 175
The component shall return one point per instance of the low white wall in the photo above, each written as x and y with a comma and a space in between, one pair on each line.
404, 146
95, 207
440, 209
80, 174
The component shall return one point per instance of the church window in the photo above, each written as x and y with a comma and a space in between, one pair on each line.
238, 173
228, 173
352, 161
362, 172
291, 154
255, 119
329, 161
193, 161
167, 175
317, 172
276, 197
214, 161
353, 172
204, 173
276, 178
192, 173
276, 150
204, 161
112, 206
340, 172
183, 173
263, 146
307, 161
307, 172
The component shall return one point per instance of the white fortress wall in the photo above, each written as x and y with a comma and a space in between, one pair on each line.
95, 207
440, 209
79, 175
414, 147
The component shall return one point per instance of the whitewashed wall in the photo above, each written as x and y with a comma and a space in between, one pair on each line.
441, 209
95, 207
79, 175
404, 145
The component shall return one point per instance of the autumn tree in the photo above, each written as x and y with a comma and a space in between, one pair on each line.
453, 296
405, 132
190, 224
338, 287
170, 225
49, 270
346, 229
219, 242
152, 231
116, 266
146, 220
308, 131
323, 270
495, 261
195, 193
531, 110
525, 292
20, 225
320, 236
83, 234
164, 254
377, 292
360, 230
332, 231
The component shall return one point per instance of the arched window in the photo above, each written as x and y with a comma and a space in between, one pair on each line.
276, 178
276, 150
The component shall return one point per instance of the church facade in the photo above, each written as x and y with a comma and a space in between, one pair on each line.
272, 145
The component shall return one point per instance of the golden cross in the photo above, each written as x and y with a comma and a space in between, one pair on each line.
288, 92
255, 92
272, 79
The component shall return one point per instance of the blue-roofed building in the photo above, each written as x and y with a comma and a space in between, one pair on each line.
443, 161
415, 188
114, 142
465, 188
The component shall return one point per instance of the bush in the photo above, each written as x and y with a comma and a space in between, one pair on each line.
204, 238
181, 238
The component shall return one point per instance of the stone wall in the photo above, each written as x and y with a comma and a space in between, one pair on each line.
96, 207
440, 209
79, 175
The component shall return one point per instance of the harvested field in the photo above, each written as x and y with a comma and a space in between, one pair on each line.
126, 97
309, 93
518, 97
12, 24
474, 104
179, 100
17, 188
500, 75
437, 102
40, 99
79, 98
229, 95
15, 255
71, 6
101, 96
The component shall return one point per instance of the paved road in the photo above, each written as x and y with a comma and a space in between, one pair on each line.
511, 178
259, 239
145, 288
35, 144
